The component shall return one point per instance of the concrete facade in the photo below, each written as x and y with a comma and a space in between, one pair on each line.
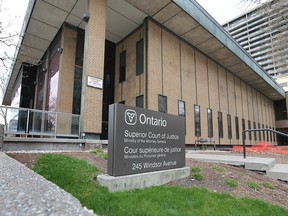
182, 72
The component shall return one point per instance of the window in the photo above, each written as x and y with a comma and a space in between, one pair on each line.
259, 132
181, 108
140, 101
274, 136
122, 67
255, 132
267, 134
220, 124
229, 126
139, 57
210, 122
197, 120
243, 127
122, 102
263, 132
249, 127
162, 103
237, 127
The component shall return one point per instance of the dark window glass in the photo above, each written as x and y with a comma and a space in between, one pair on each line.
274, 136
122, 69
122, 102
181, 108
229, 126
139, 57
162, 103
255, 132
210, 122
40, 85
77, 90
243, 127
263, 132
237, 127
259, 133
197, 119
267, 134
140, 101
270, 134
249, 127
220, 125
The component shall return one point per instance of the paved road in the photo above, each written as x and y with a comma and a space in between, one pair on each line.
23, 192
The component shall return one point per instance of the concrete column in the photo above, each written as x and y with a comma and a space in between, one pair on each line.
91, 103
1, 135
66, 80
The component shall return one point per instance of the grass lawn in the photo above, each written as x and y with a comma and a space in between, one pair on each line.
77, 177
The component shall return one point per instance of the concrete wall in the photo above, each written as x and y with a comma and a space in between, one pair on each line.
181, 72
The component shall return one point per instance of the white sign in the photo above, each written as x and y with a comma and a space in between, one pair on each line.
94, 82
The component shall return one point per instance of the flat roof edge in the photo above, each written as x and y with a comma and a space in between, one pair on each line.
7, 98
193, 9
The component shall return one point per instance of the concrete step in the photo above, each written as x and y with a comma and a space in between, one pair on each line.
279, 172
259, 164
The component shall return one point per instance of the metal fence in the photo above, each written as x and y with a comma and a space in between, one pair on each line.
39, 123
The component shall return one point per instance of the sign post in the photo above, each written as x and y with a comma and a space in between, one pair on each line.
143, 141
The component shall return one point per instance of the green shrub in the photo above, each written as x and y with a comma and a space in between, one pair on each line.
231, 182
196, 169
99, 152
198, 176
254, 186
268, 185
219, 169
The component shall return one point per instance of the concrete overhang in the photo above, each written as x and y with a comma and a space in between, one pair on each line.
186, 18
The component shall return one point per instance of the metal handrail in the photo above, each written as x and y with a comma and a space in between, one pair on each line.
255, 130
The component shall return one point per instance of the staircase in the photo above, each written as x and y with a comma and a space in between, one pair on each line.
268, 165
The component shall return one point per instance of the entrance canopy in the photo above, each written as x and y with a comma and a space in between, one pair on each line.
187, 19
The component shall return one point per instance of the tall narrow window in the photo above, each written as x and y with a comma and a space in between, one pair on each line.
220, 125
162, 103
267, 134
139, 57
181, 108
229, 126
140, 101
243, 127
237, 127
210, 123
197, 119
255, 132
263, 132
274, 136
249, 127
122, 67
259, 132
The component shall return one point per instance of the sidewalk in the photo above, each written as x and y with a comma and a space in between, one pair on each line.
23, 192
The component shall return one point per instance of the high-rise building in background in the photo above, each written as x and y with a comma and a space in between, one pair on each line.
263, 32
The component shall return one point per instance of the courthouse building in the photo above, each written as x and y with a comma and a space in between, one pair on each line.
171, 56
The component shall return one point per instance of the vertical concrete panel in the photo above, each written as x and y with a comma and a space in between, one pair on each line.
154, 65
202, 90
250, 112
188, 89
213, 96
171, 71
223, 102
93, 66
232, 106
245, 108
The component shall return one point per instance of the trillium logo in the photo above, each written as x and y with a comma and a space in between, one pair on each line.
130, 117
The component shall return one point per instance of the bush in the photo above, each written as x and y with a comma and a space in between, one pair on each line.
231, 182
